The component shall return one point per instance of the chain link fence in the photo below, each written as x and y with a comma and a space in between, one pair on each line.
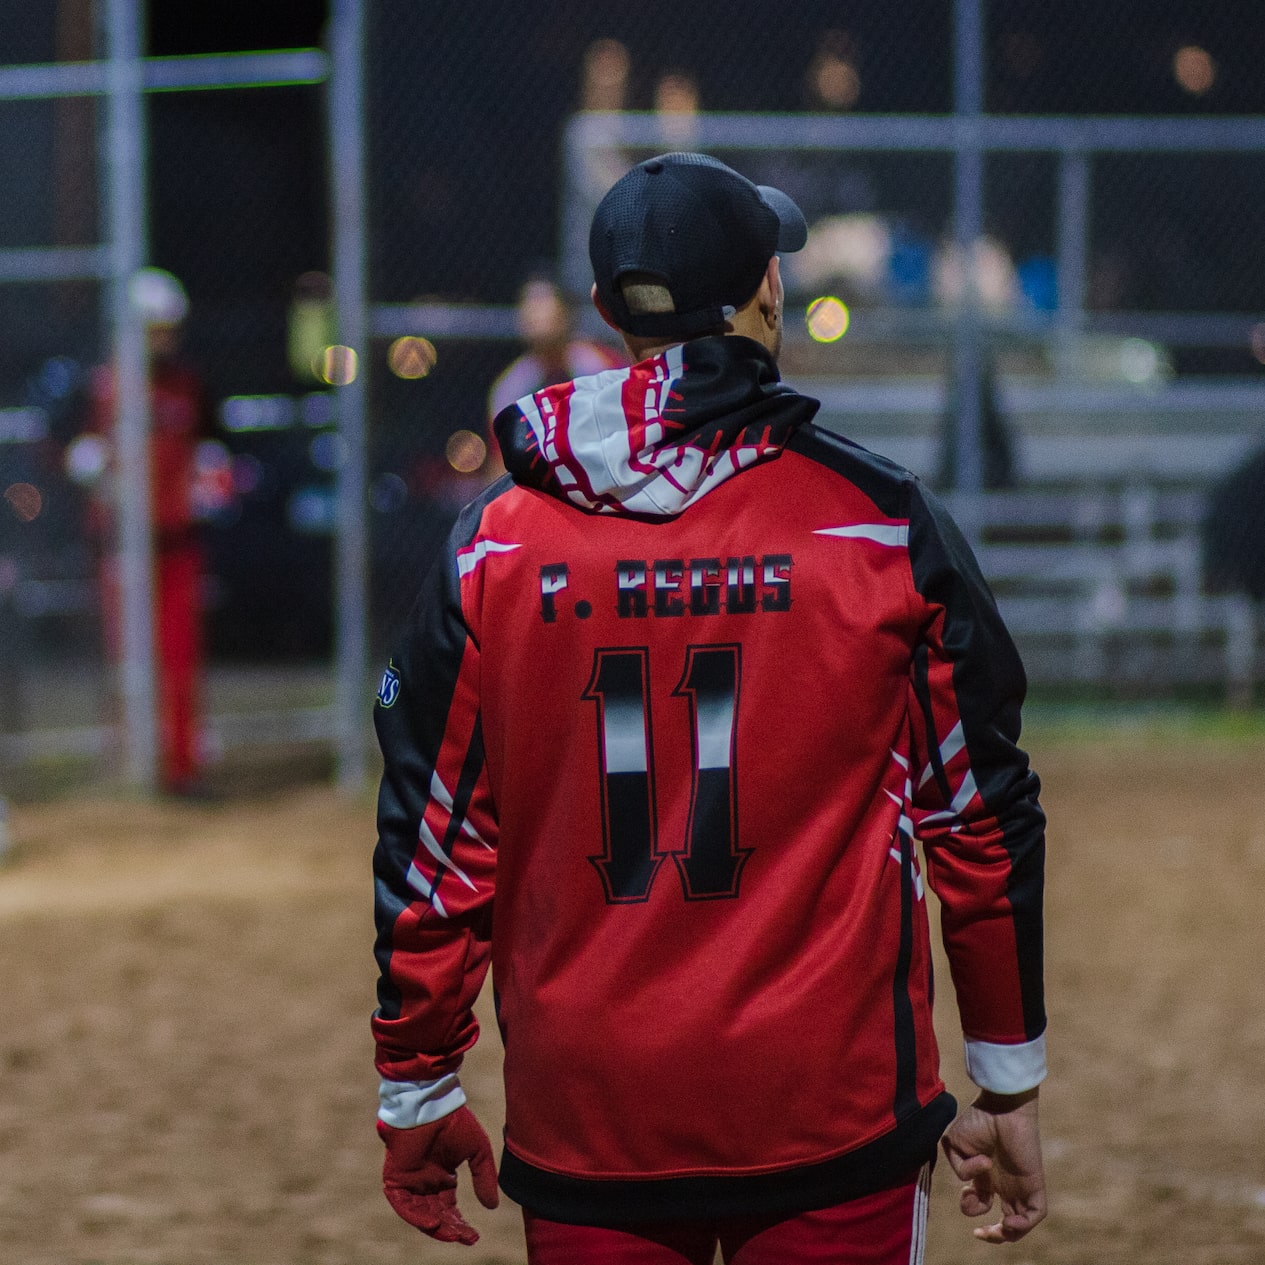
470, 198
1032, 278
49, 629
235, 212
239, 213
1072, 300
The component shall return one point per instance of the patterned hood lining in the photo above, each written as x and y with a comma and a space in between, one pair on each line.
653, 439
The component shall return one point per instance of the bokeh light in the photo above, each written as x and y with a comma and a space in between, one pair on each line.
412, 357
327, 451
249, 474
1139, 360
1194, 69
339, 365
212, 489
1258, 343
465, 451
87, 458
388, 493
828, 319
25, 500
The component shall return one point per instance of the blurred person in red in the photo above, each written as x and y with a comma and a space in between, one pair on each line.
183, 487
553, 354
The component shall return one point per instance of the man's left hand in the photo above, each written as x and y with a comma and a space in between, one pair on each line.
419, 1174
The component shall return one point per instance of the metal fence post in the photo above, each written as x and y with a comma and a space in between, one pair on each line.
124, 172
347, 132
968, 223
1073, 258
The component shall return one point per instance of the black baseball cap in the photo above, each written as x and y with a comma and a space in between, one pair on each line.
698, 227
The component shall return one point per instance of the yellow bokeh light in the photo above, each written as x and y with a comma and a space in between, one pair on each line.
465, 451
412, 357
1194, 69
339, 365
828, 319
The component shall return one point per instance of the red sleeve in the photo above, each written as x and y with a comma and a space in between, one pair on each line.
435, 861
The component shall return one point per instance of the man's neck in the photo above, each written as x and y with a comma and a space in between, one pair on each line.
640, 349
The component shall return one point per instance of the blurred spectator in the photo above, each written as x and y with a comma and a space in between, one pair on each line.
993, 275
833, 79
309, 327
553, 354
824, 184
677, 105
849, 255
186, 481
997, 451
1234, 531
864, 259
994, 287
604, 75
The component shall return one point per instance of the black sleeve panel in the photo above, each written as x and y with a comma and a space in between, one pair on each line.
988, 689
434, 860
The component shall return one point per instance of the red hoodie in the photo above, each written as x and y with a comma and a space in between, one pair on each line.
677, 700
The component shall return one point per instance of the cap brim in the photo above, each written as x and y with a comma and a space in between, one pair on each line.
793, 230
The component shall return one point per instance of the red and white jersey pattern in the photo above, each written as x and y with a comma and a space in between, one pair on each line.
644, 464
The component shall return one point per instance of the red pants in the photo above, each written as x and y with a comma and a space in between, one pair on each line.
886, 1228
177, 651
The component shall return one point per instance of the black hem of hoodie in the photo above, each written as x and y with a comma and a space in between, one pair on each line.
877, 1165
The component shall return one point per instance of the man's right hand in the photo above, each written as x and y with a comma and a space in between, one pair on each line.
994, 1147
419, 1174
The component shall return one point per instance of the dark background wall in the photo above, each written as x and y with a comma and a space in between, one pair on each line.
468, 100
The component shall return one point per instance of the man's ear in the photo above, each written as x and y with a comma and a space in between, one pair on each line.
602, 312
770, 292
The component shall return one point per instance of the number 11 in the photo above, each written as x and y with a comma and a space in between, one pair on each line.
710, 862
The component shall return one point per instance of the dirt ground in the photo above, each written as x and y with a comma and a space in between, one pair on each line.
185, 1064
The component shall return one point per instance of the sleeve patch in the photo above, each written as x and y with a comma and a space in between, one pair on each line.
389, 686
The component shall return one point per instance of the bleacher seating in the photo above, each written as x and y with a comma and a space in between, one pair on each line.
1095, 554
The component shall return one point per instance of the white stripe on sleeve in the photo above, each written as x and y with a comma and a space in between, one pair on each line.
1006, 1069
406, 1104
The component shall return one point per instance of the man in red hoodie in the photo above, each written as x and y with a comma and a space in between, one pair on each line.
679, 697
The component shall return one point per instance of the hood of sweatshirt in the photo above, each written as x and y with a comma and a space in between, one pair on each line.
651, 440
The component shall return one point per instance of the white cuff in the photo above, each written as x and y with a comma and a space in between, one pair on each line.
406, 1104
1006, 1069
